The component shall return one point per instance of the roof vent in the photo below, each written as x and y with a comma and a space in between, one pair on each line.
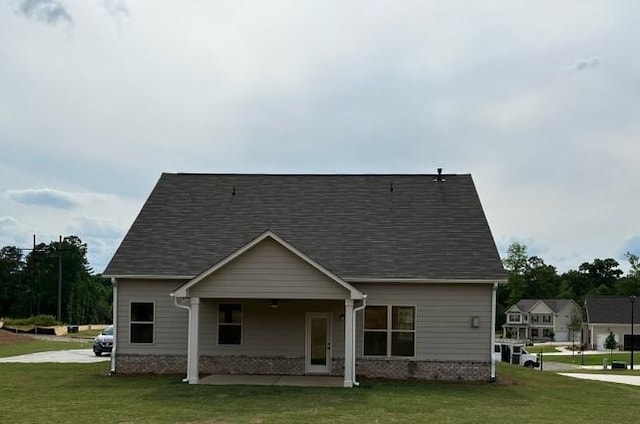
440, 177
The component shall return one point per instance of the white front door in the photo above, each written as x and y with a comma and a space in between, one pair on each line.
318, 343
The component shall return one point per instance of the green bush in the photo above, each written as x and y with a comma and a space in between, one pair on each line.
37, 320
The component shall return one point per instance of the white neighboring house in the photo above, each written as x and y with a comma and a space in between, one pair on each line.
540, 320
604, 314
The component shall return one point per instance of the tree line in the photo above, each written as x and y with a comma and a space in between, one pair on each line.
29, 283
529, 277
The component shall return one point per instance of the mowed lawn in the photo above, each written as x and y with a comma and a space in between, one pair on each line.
83, 393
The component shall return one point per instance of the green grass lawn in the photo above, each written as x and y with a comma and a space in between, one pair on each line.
592, 359
60, 393
13, 349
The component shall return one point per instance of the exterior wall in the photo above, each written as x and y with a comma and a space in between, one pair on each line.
273, 340
443, 318
268, 331
269, 271
561, 323
597, 334
170, 322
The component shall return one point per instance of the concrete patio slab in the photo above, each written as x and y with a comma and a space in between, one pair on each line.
274, 380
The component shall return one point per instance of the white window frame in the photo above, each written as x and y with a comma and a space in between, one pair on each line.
153, 323
389, 331
515, 321
241, 325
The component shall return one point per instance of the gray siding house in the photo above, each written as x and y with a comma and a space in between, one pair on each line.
610, 314
390, 276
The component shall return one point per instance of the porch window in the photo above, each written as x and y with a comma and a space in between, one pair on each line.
141, 322
389, 331
229, 324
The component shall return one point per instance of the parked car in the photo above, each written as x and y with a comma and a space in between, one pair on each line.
103, 343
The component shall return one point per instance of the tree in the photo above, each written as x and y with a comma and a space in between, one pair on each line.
541, 280
630, 285
12, 281
574, 325
30, 286
516, 264
610, 343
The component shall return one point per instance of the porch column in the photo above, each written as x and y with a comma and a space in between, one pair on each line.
193, 356
349, 347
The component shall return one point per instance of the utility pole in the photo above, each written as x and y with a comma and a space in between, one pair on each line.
59, 317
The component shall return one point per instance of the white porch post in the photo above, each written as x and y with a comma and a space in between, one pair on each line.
193, 357
349, 347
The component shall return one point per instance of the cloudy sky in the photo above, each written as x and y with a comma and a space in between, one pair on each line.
539, 101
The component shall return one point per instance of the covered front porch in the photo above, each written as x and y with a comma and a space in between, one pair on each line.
269, 311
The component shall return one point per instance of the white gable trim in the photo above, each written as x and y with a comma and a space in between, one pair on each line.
182, 290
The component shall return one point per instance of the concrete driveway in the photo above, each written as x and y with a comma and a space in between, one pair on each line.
633, 380
72, 356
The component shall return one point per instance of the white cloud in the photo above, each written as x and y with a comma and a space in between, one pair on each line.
51, 12
45, 197
516, 96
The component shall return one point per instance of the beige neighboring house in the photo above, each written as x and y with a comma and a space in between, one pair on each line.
540, 320
389, 276
604, 314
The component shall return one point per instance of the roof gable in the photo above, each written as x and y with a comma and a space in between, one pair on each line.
534, 305
356, 226
262, 286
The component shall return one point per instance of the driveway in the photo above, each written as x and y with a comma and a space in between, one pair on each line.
72, 356
633, 380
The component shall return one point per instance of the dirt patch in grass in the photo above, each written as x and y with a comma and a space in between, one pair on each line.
7, 337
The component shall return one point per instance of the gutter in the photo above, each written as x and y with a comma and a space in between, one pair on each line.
493, 332
114, 283
188, 308
355, 311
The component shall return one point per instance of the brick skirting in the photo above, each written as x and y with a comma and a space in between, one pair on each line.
286, 365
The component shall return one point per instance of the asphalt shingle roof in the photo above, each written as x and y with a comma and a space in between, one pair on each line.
554, 304
353, 225
610, 309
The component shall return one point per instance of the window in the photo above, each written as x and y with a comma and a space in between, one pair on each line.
389, 331
142, 322
514, 317
229, 324
546, 319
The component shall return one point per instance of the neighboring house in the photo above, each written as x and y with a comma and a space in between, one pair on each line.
604, 314
271, 274
540, 320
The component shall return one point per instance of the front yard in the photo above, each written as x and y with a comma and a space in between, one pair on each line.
56, 393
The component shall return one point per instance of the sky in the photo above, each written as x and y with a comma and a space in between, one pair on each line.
539, 101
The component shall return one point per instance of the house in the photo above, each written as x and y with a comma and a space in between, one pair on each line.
389, 276
605, 314
541, 319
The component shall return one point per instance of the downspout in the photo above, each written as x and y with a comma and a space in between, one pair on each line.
493, 331
188, 308
114, 284
353, 365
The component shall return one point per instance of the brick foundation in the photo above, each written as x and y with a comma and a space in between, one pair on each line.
403, 369
400, 369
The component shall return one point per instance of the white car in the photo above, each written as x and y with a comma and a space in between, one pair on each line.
103, 343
